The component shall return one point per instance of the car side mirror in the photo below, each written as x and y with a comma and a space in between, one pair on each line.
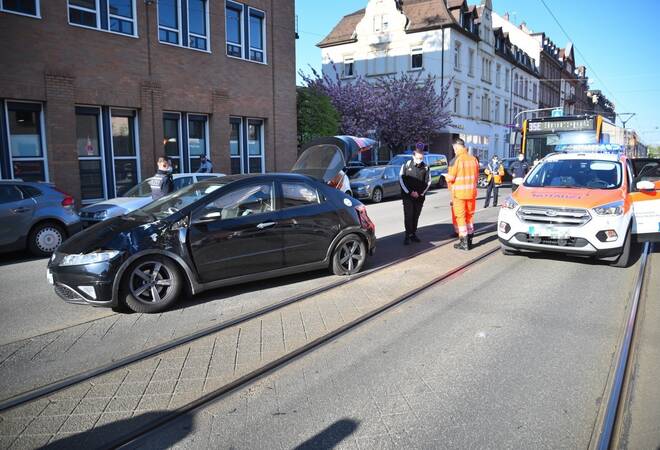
645, 185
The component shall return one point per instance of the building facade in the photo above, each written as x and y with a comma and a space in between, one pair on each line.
94, 91
453, 42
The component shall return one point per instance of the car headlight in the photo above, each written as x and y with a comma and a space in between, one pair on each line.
89, 258
611, 209
101, 215
510, 203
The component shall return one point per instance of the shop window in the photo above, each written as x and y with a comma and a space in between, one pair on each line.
27, 155
246, 145
172, 147
235, 140
90, 154
197, 142
125, 161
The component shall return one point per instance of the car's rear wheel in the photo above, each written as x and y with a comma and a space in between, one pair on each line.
151, 284
45, 238
349, 255
377, 195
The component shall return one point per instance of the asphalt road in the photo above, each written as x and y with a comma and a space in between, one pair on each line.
44, 339
514, 353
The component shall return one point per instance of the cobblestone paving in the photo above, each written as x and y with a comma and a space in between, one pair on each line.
96, 411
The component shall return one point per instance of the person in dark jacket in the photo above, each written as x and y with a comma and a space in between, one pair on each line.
162, 182
415, 181
518, 169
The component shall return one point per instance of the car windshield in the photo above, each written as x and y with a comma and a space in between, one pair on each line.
399, 160
174, 202
368, 173
576, 173
139, 190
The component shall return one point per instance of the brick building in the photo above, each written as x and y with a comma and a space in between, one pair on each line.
93, 91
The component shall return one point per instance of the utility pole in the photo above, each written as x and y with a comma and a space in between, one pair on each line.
628, 115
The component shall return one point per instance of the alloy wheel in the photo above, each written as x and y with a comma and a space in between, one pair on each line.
377, 195
351, 255
48, 239
150, 282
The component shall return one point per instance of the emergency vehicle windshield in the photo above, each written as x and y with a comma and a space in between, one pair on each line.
576, 174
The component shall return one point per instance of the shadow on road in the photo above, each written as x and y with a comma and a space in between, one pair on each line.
18, 257
331, 436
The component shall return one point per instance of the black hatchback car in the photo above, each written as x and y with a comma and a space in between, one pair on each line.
213, 233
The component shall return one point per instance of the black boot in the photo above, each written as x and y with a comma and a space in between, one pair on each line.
406, 240
414, 238
462, 244
469, 240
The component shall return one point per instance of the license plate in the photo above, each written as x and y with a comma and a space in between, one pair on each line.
547, 231
49, 276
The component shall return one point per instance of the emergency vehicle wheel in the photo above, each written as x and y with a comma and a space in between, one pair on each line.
507, 251
625, 258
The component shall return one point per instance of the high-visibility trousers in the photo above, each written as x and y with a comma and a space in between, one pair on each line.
453, 216
464, 211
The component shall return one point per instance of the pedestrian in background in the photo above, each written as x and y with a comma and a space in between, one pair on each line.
162, 182
415, 181
464, 175
495, 171
205, 166
518, 170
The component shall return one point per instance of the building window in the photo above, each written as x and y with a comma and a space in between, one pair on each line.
515, 84
257, 33
349, 68
90, 154
506, 114
184, 22
471, 62
172, 147
117, 16
457, 55
234, 29
498, 76
507, 80
416, 59
125, 161
469, 104
485, 107
235, 144
255, 145
26, 142
457, 100
23, 7
526, 89
197, 140
497, 111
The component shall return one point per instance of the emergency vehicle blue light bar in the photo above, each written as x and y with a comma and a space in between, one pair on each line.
616, 149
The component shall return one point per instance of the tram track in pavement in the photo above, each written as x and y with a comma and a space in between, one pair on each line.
126, 440
608, 429
43, 391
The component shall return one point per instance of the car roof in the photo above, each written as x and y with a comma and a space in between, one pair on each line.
592, 155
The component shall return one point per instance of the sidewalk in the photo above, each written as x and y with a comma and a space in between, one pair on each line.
99, 410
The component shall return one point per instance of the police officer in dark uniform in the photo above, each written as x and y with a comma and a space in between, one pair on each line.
161, 183
415, 181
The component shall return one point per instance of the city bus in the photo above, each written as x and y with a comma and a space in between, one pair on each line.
544, 135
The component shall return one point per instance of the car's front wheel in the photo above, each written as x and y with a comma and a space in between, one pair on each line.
377, 196
151, 284
625, 259
349, 255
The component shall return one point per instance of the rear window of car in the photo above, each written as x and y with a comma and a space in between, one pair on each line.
31, 191
9, 193
296, 194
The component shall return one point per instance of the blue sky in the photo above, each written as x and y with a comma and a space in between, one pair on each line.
620, 40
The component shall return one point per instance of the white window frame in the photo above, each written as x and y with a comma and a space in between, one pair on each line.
497, 110
263, 143
136, 143
207, 138
264, 38
179, 31
413, 52
9, 11
97, 13
457, 55
180, 134
208, 29
240, 142
241, 30
471, 62
507, 79
101, 157
457, 100
470, 103
348, 60
42, 133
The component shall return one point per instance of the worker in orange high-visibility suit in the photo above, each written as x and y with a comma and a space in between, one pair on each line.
451, 201
463, 175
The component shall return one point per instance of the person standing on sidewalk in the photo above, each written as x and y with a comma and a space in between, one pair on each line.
451, 199
495, 172
518, 170
464, 175
162, 183
415, 181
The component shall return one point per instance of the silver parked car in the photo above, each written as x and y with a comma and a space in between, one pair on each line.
36, 216
135, 198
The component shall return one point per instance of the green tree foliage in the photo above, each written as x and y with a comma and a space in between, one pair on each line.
654, 151
316, 115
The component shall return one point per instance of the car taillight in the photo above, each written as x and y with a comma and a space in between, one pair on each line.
365, 221
68, 202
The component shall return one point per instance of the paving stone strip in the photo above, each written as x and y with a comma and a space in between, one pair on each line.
98, 411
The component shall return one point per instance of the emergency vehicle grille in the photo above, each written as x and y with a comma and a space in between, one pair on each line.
553, 215
568, 242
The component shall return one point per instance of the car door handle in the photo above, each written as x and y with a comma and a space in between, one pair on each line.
20, 210
264, 225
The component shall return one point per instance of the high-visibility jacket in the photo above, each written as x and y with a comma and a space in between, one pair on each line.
463, 175
490, 171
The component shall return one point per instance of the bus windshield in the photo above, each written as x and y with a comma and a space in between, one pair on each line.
540, 145
577, 174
